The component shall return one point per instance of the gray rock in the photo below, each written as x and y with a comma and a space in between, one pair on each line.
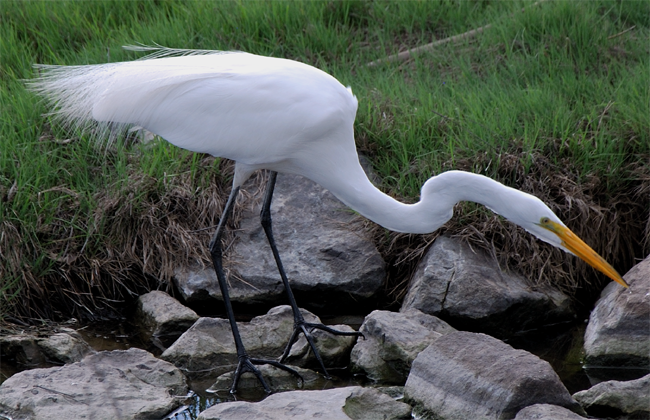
162, 318
334, 349
372, 404
23, 348
616, 398
395, 392
64, 346
277, 379
392, 341
200, 288
129, 384
329, 262
333, 404
468, 290
618, 333
208, 346
547, 412
465, 375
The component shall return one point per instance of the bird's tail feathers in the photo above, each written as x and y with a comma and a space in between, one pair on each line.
73, 91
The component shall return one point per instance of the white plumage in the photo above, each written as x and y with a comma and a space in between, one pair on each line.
285, 116
281, 115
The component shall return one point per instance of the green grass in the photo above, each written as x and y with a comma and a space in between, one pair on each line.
549, 92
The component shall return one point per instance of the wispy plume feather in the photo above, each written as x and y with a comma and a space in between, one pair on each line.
73, 91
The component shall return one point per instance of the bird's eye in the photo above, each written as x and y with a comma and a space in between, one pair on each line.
545, 220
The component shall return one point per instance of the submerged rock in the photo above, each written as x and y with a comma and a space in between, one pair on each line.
113, 385
277, 379
465, 375
547, 412
162, 318
208, 345
392, 341
617, 398
618, 333
329, 263
469, 290
333, 404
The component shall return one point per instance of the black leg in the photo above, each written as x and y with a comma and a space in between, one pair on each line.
245, 363
299, 324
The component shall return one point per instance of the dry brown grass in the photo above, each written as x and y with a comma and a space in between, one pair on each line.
147, 231
135, 238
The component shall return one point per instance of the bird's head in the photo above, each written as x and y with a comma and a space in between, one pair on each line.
440, 193
549, 228
535, 216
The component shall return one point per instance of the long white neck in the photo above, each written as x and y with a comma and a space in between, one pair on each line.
439, 195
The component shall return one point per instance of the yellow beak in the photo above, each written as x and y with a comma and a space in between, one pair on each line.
574, 244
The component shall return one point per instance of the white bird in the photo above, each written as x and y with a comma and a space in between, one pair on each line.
283, 116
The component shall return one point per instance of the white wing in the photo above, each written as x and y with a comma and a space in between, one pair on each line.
244, 107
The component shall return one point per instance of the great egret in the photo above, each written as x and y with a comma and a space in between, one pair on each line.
283, 116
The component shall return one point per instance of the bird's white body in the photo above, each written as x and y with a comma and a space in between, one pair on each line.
261, 112
228, 105
232, 105
281, 115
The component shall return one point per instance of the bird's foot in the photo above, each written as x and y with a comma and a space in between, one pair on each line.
248, 364
306, 329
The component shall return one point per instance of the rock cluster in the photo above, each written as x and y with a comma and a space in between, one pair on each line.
436, 368
208, 345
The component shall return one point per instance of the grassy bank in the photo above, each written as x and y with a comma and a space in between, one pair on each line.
554, 101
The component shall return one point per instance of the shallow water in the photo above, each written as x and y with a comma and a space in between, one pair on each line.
560, 345
202, 399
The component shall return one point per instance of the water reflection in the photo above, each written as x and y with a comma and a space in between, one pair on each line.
561, 346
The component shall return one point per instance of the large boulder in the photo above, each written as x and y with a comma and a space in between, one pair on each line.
617, 398
464, 375
333, 404
618, 333
162, 318
468, 289
208, 346
392, 341
121, 384
330, 263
